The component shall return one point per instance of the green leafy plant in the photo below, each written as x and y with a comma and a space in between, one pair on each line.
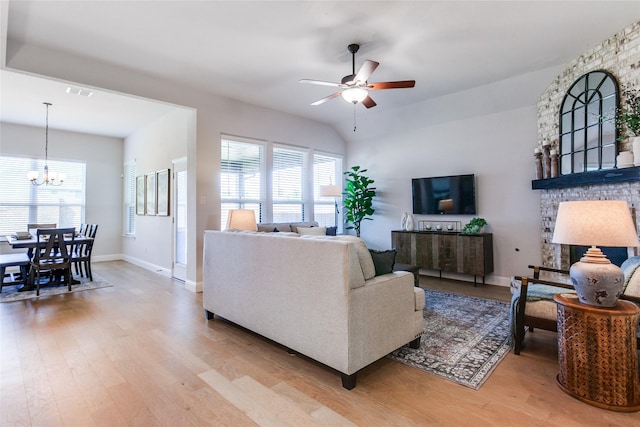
628, 115
474, 226
358, 198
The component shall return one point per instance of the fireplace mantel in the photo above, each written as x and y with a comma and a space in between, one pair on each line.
609, 176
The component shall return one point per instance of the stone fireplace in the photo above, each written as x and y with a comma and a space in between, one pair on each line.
619, 55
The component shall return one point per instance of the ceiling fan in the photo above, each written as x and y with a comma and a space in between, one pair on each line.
354, 87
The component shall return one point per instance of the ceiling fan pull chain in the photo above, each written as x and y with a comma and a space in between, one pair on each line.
354, 117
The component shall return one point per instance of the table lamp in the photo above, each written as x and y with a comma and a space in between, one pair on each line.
242, 219
332, 191
593, 223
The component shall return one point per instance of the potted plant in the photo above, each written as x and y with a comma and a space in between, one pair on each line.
358, 198
474, 226
628, 115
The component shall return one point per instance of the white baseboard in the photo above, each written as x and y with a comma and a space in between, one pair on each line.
188, 285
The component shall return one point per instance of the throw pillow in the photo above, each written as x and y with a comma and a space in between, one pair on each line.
383, 261
313, 231
331, 231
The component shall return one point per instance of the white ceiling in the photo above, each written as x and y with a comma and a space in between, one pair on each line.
257, 51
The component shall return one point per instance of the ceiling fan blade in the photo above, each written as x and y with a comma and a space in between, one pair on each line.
321, 83
327, 98
365, 71
369, 102
391, 85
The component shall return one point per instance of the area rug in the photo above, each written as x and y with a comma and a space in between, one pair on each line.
464, 338
10, 293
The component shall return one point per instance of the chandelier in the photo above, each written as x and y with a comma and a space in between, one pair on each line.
48, 178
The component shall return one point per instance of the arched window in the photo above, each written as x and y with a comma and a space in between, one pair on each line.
587, 124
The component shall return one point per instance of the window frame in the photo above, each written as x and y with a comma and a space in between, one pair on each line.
264, 207
14, 171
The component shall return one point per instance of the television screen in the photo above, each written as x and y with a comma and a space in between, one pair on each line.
446, 195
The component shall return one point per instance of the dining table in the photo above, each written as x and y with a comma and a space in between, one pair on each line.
32, 243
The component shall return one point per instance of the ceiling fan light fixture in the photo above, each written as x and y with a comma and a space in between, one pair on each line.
354, 94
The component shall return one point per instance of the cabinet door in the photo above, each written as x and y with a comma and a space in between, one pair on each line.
402, 243
426, 251
473, 255
447, 253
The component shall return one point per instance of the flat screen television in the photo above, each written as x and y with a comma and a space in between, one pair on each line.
446, 195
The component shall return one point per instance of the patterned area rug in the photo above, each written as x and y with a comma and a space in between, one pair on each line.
464, 338
10, 293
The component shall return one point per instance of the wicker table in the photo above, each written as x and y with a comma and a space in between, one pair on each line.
597, 357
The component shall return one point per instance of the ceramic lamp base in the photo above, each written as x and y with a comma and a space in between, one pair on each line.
596, 280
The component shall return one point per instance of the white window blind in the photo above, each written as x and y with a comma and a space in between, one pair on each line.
129, 192
327, 170
287, 184
23, 203
242, 177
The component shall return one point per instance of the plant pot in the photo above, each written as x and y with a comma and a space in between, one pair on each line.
635, 144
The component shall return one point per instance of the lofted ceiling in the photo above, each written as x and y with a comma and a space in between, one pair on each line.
256, 51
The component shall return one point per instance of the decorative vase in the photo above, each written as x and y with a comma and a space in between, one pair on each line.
597, 284
624, 159
403, 223
409, 223
636, 150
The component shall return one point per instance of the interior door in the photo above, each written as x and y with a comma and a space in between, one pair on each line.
179, 208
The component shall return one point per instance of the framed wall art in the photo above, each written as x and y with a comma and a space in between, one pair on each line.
150, 181
163, 192
140, 192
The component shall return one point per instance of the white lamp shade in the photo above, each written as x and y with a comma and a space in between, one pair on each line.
595, 223
330, 191
354, 94
242, 219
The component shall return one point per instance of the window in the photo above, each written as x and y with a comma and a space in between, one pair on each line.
587, 124
287, 184
327, 170
292, 191
23, 203
129, 192
242, 177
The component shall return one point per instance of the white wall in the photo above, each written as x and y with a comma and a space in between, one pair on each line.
488, 131
103, 157
152, 148
215, 115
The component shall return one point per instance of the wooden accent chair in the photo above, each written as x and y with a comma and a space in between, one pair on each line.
81, 257
535, 307
53, 254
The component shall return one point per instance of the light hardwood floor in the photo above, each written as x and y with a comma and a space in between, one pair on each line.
141, 353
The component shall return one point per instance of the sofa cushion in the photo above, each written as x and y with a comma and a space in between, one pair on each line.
366, 263
383, 261
313, 231
294, 225
270, 228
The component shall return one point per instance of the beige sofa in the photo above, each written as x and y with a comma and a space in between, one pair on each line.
316, 295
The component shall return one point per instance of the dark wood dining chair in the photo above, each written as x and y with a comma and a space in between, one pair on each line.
81, 257
36, 226
52, 253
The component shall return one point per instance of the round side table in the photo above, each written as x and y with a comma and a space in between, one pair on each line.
597, 356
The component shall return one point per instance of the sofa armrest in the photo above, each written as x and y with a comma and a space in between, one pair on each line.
383, 317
